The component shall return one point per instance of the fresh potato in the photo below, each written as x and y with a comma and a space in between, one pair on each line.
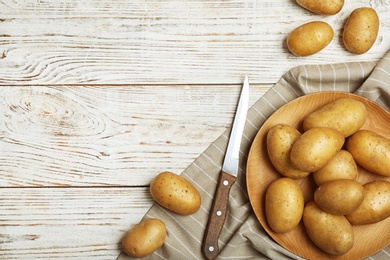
284, 204
280, 139
331, 233
361, 30
175, 193
315, 147
144, 238
339, 197
309, 38
344, 114
375, 206
341, 166
371, 151
327, 7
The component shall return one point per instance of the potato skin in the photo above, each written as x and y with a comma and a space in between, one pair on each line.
284, 204
347, 115
375, 206
315, 147
371, 151
327, 7
309, 38
361, 30
175, 193
280, 139
341, 166
331, 233
144, 238
339, 197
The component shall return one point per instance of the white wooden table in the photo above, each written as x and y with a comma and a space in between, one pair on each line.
98, 97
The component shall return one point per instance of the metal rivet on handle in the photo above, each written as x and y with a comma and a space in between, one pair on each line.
211, 248
219, 213
225, 182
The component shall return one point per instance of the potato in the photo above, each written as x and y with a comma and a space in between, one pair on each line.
339, 197
175, 193
331, 233
344, 114
284, 204
361, 30
375, 206
371, 151
280, 139
315, 147
309, 38
341, 166
144, 238
327, 7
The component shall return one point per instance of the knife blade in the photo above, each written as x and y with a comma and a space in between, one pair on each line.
226, 178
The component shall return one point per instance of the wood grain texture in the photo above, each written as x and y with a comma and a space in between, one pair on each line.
217, 215
97, 97
163, 42
68, 223
100, 136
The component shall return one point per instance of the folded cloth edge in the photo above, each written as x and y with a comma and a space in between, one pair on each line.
242, 236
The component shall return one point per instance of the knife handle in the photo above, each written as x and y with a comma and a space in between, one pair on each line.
217, 215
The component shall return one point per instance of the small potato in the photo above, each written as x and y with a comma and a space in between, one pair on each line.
309, 38
284, 204
344, 114
280, 139
361, 30
375, 206
144, 238
327, 7
371, 151
331, 233
339, 197
341, 166
315, 148
175, 193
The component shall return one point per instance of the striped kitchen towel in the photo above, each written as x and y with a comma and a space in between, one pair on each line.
242, 236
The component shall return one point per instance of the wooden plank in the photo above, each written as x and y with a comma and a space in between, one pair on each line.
68, 223
160, 42
104, 136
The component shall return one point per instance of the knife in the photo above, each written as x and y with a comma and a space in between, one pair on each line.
227, 178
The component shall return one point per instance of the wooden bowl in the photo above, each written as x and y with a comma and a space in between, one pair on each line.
369, 239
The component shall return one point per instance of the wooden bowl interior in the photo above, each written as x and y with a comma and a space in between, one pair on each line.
260, 173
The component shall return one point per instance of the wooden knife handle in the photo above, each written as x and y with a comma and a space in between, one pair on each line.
217, 215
